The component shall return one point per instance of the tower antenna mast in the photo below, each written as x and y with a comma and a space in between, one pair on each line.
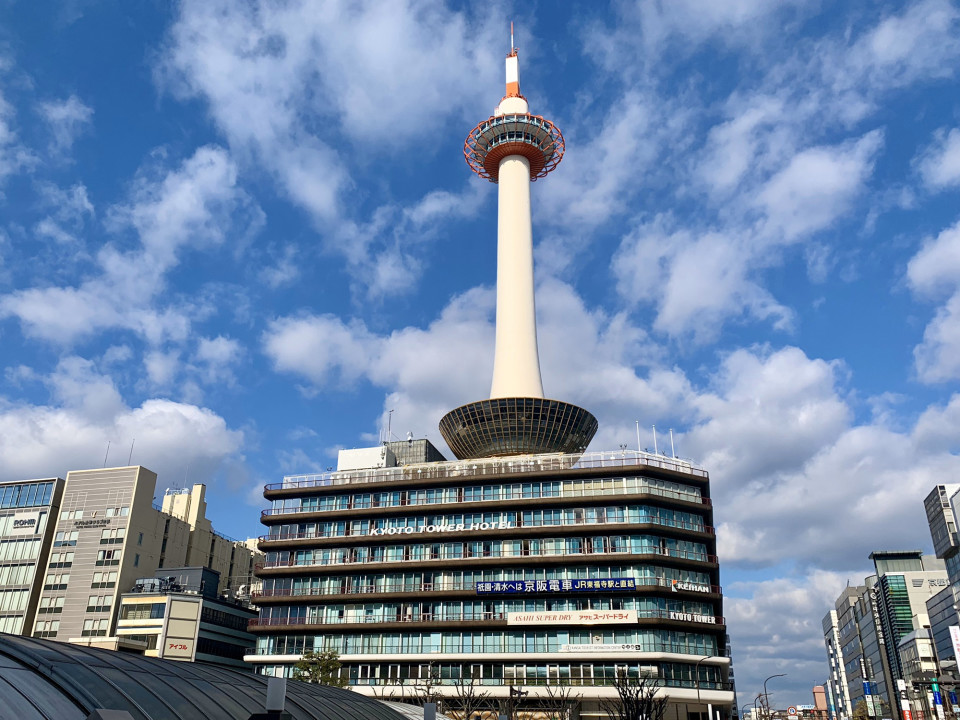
514, 148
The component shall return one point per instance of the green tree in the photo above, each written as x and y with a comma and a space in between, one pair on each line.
321, 666
860, 711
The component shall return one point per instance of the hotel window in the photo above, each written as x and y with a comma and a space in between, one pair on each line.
66, 539
51, 605
108, 557
56, 581
99, 603
112, 536
95, 628
47, 628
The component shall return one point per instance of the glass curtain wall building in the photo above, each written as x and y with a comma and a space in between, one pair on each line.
526, 572
26, 529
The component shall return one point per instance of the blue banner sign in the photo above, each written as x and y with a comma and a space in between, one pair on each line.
549, 586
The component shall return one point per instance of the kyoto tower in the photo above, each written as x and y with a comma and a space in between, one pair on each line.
512, 149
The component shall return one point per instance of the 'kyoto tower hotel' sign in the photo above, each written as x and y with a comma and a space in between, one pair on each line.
514, 148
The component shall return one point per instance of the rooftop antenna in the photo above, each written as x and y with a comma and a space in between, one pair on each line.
513, 48
673, 450
389, 425
106, 454
639, 448
130, 456
655, 451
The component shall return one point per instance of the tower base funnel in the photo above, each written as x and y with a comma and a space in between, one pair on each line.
517, 426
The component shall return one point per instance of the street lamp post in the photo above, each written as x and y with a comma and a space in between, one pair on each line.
755, 712
766, 697
696, 673
743, 712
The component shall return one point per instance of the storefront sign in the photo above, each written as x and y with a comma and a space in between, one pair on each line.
955, 639
449, 527
25, 523
99, 523
692, 617
573, 617
602, 648
550, 586
693, 587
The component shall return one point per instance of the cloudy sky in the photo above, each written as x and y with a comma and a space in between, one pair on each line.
234, 236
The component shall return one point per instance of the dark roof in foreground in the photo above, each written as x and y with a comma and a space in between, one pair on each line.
46, 680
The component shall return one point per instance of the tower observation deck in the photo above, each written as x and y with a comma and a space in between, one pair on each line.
513, 148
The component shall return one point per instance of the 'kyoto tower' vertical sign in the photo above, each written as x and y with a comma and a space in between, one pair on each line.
514, 148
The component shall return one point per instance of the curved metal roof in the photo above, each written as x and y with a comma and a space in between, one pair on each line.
46, 680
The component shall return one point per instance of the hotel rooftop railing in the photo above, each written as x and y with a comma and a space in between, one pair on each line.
493, 466
501, 497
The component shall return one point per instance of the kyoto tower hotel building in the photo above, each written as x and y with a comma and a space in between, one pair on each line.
524, 566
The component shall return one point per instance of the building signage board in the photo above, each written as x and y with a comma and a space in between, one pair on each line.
96, 523
693, 617
25, 523
573, 617
693, 587
603, 648
446, 527
955, 639
549, 586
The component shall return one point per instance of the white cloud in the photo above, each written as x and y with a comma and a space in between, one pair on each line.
216, 359
937, 357
195, 204
919, 42
46, 440
768, 616
939, 163
66, 119
696, 280
934, 272
818, 185
299, 88
14, 155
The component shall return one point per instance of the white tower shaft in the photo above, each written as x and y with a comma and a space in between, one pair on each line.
516, 364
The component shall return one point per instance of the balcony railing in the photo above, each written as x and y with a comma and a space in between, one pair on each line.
492, 554
494, 466
450, 585
408, 502
506, 645
434, 618
693, 527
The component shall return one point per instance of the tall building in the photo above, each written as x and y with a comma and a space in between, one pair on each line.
525, 564
836, 684
28, 512
905, 581
940, 505
863, 634
108, 534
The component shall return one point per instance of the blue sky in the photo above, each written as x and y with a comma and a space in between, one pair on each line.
237, 234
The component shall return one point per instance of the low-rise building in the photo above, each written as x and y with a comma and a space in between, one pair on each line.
178, 615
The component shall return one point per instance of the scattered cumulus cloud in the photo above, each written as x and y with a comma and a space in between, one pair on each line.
66, 120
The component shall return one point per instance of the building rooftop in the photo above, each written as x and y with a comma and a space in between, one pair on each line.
46, 680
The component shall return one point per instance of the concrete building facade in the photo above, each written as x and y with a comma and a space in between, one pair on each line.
109, 533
